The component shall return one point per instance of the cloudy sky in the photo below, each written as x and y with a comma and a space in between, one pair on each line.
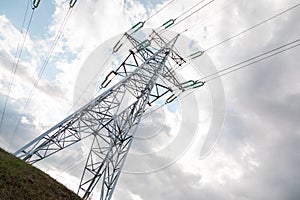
257, 155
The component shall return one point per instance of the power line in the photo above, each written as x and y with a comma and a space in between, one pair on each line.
170, 23
248, 62
251, 61
253, 58
18, 54
159, 10
212, 14
193, 13
252, 27
239, 34
194, 6
46, 61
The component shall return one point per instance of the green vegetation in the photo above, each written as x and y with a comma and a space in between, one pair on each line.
19, 180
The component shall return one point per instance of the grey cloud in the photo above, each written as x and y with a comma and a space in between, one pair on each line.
49, 88
24, 133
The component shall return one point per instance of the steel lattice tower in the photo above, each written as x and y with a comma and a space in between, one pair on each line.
111, 124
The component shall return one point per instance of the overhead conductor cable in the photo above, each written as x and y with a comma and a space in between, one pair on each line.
18, 53
46, 61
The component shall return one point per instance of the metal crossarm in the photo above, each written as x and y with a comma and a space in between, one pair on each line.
161, 42
168, 73
143, 51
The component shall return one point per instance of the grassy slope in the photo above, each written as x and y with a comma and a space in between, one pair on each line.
19, 180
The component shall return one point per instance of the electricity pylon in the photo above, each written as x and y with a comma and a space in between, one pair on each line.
110, 118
